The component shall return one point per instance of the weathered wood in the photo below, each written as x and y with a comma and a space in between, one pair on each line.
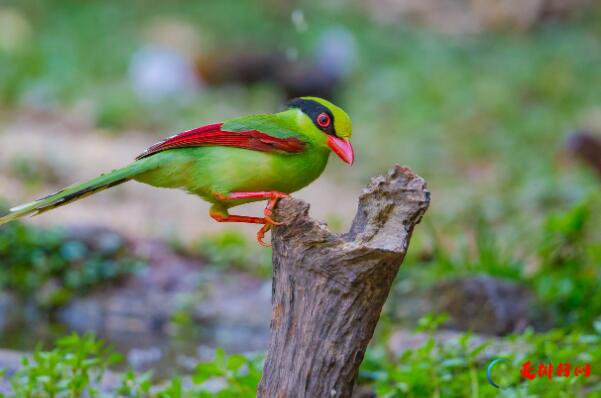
329, 289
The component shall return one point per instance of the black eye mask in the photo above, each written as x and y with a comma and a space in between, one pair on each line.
313, 109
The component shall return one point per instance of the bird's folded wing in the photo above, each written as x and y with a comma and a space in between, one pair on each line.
212, 135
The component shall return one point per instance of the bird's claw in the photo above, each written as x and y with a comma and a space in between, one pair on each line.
261, 235
268, 214
266, 227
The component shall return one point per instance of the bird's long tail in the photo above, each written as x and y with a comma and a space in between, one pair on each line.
77, 191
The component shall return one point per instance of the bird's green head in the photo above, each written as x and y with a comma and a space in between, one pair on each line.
326, 123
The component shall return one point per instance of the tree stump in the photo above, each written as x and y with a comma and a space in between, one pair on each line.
329, 289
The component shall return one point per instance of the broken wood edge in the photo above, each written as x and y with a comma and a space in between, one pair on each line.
388, 209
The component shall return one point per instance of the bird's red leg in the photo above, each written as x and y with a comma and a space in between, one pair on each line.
273, 197
222, 216
234, 218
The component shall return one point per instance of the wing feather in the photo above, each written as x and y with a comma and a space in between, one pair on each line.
213, 135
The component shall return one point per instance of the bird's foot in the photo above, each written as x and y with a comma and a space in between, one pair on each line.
273, 197
261, 234
269, 222
268, 212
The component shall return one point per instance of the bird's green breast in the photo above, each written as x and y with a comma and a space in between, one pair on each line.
205, 171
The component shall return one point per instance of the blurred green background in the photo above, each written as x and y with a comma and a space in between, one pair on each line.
497, 104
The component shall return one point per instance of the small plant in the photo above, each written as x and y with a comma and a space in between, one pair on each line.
570, 254
566, 234
73, 369
234, 376
49, 266
479, 251
77, 367
133, 385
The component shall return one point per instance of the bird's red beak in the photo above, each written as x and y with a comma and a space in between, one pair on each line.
342, 148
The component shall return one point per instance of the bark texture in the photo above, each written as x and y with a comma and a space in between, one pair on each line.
329, 289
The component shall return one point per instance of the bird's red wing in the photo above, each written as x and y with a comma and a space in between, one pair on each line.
212, 135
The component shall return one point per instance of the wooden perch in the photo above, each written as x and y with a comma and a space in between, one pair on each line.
329, 289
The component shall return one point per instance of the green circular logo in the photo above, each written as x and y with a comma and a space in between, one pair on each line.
501, 375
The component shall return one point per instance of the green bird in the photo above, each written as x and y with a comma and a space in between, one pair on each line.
247, 159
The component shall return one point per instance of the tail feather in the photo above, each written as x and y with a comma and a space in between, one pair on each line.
76, 192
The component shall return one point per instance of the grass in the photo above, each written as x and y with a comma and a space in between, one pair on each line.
48, 267
457, 368
77, 366
562, 268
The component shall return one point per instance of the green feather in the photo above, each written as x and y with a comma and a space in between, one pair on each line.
76, 192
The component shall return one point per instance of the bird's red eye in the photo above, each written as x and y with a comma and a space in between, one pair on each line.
323, 119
